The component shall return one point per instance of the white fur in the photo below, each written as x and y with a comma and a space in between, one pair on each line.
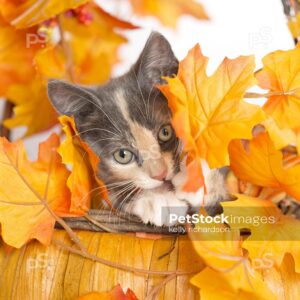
155, 205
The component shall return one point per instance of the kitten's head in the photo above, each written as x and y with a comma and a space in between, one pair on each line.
127, 121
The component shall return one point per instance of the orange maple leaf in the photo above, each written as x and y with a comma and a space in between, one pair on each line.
83, 181
208, 112
32, 107
116, 293
25, 185
167, 11
23, 14
262, 165
281, 76
90, 46
16, 56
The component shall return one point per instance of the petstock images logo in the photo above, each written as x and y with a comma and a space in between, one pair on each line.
247, 221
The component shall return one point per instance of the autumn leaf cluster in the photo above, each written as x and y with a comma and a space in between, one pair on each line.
35, 193
261, 147
213, 116
259, 144
71, 40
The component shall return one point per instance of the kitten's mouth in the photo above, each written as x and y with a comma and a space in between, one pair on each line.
167, 184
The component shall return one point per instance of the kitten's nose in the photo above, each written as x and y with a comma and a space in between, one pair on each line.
162, 176
156, 168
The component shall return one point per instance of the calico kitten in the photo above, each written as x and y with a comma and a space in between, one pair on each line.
127, 123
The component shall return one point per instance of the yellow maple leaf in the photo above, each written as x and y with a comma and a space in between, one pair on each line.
262, 165
273, 234
32, 107
167, 11
16, 56
281, 137
23, 187
233, 276
92, 48
281, 76
236, 284
50, 62
23, 14
83, 180
217, 245
208, 112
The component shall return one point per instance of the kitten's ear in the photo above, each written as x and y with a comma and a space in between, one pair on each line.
156, 60
69, 99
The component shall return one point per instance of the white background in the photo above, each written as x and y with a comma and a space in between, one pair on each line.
236, 27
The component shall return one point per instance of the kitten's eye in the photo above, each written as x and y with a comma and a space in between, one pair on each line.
123, 156
165, 133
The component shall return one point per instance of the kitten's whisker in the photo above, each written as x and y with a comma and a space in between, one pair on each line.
119, 207
96, 129
131, 185
98, 140
140, 90
128, 186
142, 113
113, 187
120, 182
105, 187
123, 190
149, 99
152, 109
85, 152
138, 83
130, 206
126, 198
110, 189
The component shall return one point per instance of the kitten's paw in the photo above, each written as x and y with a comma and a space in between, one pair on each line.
195, 199
164, 218
179, 179
157, 208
